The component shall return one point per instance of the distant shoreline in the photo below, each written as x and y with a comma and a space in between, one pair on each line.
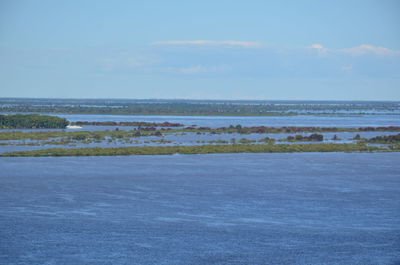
170, 107
272, 114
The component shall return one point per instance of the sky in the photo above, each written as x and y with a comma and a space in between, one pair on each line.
208, 49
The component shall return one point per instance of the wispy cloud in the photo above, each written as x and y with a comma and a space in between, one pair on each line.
221, 60
361, 50
319, 48
127, 62
369, 49
245, 44
200, 69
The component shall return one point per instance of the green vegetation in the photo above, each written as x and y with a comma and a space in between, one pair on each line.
127, 134
75, 135
213, 142
246, 141
286, 129
200, 149
266, 140
32, 121
300, 138
385, 139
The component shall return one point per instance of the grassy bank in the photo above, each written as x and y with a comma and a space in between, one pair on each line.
203, 149
78, 135
43, 135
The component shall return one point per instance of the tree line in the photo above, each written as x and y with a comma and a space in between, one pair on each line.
32, 121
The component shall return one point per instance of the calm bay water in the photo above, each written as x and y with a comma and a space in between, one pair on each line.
301, 208
273, 121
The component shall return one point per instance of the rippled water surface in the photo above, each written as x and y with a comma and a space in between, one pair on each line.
299, 208
274, 121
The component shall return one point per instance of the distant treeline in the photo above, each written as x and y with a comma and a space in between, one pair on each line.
127, 123
32, 121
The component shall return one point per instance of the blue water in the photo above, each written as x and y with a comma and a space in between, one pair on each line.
302, 208
273, 121
222, 121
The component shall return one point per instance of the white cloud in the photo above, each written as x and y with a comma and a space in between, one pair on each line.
369, 49
361, 50
319, 48
245, 44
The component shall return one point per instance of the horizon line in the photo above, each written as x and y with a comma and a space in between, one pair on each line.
203, 99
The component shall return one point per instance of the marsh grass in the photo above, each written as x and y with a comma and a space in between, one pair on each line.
202, 149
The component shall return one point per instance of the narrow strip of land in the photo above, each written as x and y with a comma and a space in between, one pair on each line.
147, 131
202, 149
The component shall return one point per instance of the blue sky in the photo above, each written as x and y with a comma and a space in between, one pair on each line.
201, 49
